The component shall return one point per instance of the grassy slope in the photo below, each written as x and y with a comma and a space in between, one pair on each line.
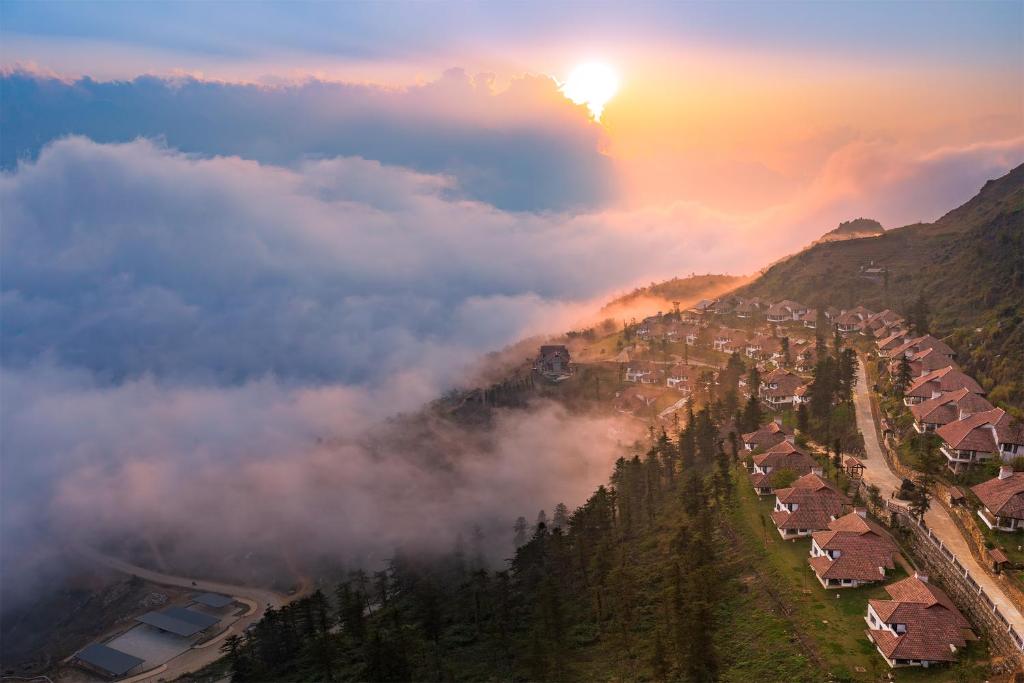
830, 628
969, 265
686, 290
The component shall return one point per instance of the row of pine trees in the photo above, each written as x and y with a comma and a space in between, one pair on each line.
586, 584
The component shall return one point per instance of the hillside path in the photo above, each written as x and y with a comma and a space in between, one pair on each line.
937, 518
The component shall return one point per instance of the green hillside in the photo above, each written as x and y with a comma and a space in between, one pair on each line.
968, 266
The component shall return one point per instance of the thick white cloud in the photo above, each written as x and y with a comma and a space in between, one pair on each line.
184, 336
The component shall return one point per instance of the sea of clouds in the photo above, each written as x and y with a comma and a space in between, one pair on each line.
216, 297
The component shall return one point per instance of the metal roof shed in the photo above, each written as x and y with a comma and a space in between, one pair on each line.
215, 600
201, 620
107, 660
167, 623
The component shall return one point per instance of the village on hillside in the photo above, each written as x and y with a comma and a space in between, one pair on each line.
859, 433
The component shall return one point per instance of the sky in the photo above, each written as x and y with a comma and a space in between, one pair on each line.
236, 232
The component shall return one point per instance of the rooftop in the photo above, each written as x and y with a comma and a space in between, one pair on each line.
114, 662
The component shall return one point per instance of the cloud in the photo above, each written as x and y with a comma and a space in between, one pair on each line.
184, 333
215, 476
131, 259
524, 147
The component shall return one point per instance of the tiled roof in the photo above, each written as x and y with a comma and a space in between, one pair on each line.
892, 341
983, 432
933, 623
794, 459
769, 435
947, 407
817, 502
786, 385
760, 479
688, 372
863, 546
945, 379
1004, 497
913, 589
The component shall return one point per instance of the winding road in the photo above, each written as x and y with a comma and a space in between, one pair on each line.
937, 518
258, 601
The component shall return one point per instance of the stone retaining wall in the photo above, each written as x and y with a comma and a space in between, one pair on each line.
972, 600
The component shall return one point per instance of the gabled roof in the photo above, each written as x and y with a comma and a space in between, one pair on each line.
687, 372
786, 456
983, 432
860, 558
947, 408
945, 379
931, 360
920, 344
785, 385
893, 341
768, 435
914, 590
1003, 497
933, 623
817, 502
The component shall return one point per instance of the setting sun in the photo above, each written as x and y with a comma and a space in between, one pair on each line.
593, 84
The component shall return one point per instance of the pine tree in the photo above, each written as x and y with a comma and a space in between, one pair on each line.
802, 419
903, 377
560, 518
921, 497
752, 415
520, 528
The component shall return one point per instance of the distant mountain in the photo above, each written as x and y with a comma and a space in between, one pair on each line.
850, 230
968, 266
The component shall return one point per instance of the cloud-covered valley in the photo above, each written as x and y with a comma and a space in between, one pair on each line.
186, 334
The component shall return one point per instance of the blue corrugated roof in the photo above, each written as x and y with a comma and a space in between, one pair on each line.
192, 617
114, 662
214, 599
163, 622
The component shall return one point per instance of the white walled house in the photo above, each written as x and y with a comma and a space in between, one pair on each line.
853, 551
919, 626
1002, 499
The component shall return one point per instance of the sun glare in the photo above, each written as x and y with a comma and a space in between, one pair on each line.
592, 84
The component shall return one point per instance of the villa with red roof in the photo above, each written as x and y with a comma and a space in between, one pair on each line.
981, 437
806, 506
1003, 500
684, 378
853, 551
919, 626
913, 346
766, 437
781, 387
642, 372
881, 321
893, 341
782, 456
949, 407
785, 311
927, 361
936, 383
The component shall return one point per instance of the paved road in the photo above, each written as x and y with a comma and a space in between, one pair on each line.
937, 518
258, 601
